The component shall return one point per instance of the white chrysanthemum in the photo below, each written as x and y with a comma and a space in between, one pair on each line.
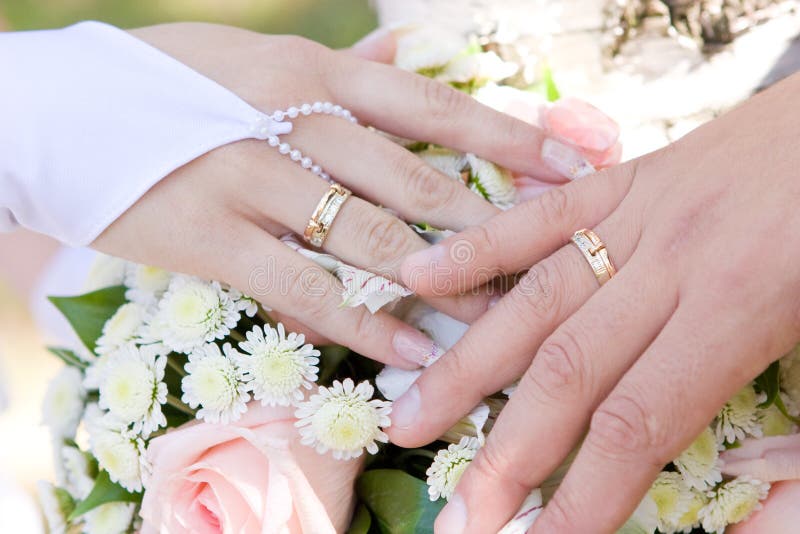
146, 284
74, 465
54, 503
691, 519
244, 304
448, 466
110, 518
345, 419
699, 462
63, 403
427, 49
277, 366
132, 388
733, 502
774, 423
191, 313
106, 271
790, 379
122, 327
477, 69
444, 160
740, 416
493, 183
672, 497
215, 384
118, 450
94, 374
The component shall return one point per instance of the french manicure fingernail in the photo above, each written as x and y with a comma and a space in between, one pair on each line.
583, 125
565, 160
406, 408
415, 347
493, 302
453, 519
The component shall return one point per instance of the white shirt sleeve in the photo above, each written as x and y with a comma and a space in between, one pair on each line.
91, 118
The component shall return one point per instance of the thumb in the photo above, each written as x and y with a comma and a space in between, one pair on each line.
380, 46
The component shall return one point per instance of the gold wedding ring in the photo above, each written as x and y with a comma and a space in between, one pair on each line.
594, 250
319, 225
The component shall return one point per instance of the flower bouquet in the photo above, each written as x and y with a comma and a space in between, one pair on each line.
189, 409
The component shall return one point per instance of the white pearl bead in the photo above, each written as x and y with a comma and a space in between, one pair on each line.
305, 109
306, 162
273, 140
292, 112
278, 115
316, 107
353, 120
284, 148
295, 155
346, 113
316, 169
337, 110
327, 107
325, 176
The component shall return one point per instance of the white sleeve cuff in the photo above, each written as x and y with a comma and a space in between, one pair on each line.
92, 118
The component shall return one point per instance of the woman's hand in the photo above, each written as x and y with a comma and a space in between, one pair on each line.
705, 236
219, 216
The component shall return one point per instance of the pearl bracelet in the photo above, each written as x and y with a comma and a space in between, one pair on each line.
270, 127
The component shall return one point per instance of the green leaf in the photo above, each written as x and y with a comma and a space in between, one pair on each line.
103, 492
769, 382
551, 90
398, 501
66, 504
68, 357
782, 407
88, 313
361, 521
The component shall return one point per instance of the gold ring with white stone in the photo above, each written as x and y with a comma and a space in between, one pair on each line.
594, 250
319, 225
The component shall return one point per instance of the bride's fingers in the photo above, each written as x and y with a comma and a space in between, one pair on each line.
362, 234
654, 413
483, 362
387, 174
413, 106
511, 241
277, 276
572, 372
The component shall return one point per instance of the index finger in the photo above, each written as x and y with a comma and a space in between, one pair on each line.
416, 107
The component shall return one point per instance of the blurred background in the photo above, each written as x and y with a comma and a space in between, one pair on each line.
659, 67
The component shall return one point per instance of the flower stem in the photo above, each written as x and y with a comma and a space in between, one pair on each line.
176, 366
264, 316
236, 336
178, 404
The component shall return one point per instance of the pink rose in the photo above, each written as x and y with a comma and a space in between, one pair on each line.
252, 476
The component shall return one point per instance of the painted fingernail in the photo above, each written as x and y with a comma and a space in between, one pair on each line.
453, 518
420, 264
565, 160
493, 301
406, 408
415, 347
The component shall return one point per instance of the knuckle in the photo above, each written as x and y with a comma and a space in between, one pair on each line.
387, 239
493, 462
560, 368
442, 101
535, 296
307, 291
623, 426
559, 512
555, 207
427, 189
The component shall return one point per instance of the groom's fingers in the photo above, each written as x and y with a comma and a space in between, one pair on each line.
517, 238
573, 371
499, 346
653, 414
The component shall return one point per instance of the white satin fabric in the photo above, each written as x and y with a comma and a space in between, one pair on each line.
91, 118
